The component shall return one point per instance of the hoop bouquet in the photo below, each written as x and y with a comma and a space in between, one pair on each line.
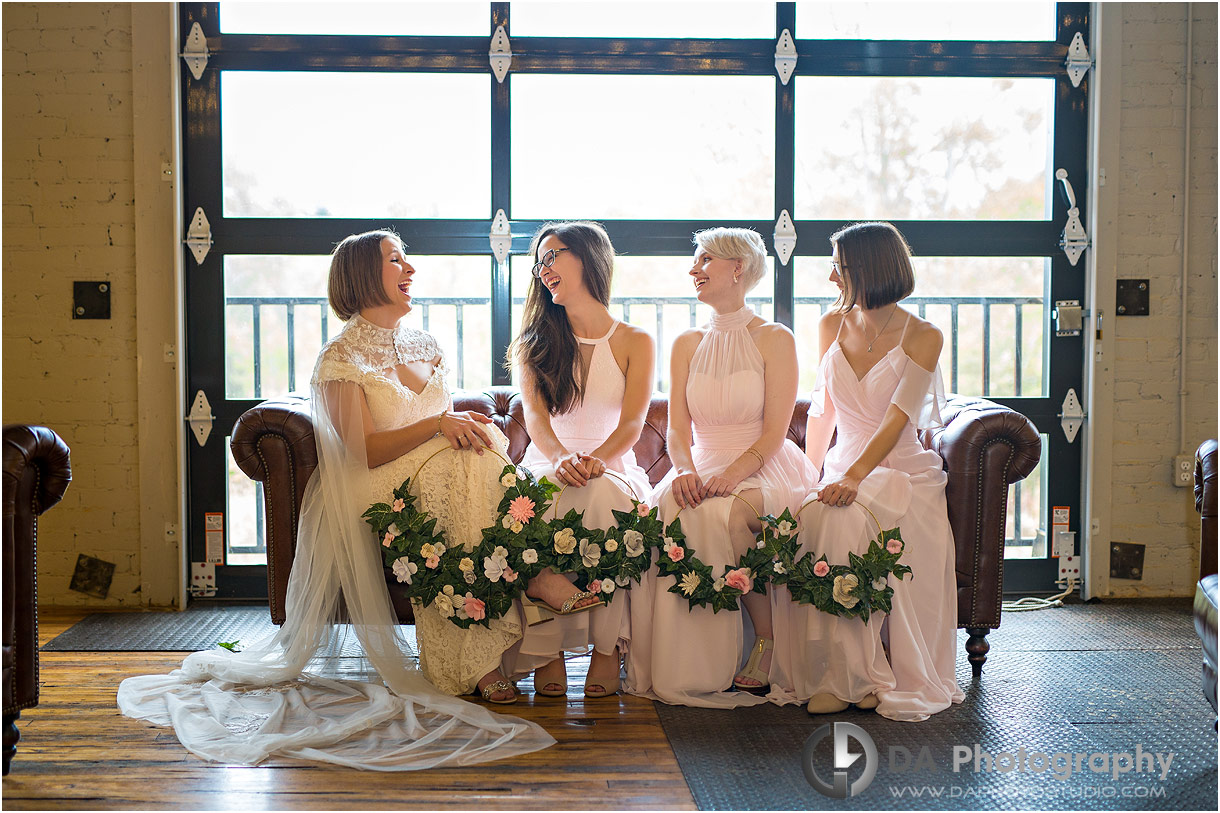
474, 587
856, 589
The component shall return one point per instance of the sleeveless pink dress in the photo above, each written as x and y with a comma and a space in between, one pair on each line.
688, 656
583, 429
819, 653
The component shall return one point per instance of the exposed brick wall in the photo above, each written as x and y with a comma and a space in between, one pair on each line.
1147, 508
68, 215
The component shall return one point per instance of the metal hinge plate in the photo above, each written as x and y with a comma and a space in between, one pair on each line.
199, 236
785, 56
501, 236
784, 237
200, 418
1072, 416
1074, 239
195, 52
1078, 60
500, 54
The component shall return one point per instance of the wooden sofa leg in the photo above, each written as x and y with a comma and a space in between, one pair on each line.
977, 649
11, 735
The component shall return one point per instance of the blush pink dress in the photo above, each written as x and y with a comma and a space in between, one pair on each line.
688, 656
816, 652
583, 429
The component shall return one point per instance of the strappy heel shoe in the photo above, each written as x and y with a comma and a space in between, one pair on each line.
497, 686
751, 671
539, 612
534, 614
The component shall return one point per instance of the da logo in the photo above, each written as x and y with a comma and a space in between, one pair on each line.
838, 787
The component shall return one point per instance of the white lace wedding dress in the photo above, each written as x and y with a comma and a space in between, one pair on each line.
299, 693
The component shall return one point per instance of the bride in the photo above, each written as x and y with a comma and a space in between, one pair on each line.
380, 410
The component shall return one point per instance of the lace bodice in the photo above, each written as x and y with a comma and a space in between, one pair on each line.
367, 354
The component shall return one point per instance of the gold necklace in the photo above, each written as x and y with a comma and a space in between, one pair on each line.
883, 327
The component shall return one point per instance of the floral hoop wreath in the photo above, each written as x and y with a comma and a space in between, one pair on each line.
857, 589
693, 579
477, 586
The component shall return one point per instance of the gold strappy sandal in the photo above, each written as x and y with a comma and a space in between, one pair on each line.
498, 686
761, 647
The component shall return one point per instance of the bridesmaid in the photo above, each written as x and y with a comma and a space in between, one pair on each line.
586, 383
878, 382
731, 402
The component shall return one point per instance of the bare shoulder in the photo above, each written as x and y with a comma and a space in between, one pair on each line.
830, 322
923, 342
634, 338
773, 335
688, 340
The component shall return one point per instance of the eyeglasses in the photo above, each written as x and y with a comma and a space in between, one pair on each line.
548, 259
837, 266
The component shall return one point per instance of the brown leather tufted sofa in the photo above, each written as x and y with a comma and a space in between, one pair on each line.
37, 470
985, 447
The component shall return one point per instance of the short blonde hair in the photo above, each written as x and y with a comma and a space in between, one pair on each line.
354, 282
727, 243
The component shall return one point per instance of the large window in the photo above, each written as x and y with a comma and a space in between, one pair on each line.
313, 121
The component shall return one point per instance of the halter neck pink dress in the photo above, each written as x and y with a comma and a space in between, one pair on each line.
583, 429
688, 656
819, 653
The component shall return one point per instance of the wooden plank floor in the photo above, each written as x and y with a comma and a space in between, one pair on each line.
78, 752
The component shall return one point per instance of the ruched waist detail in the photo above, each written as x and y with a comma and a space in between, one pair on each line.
728, 435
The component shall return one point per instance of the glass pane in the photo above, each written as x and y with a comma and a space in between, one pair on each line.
276, 315
942, 148
926, 21
640, 19
355, 144
990, 310
643, 147
652, 293
456, 18
245, 519
1025, 528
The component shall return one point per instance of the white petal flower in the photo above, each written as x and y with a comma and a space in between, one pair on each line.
667, 543
622, 581
785, 528
404, 569
879, 584
607, 586
470, 577
393, 529
529, 556
590, 553
565, 540
634, 542
516, 527
718, 585
440, 548
507, 521
508, 480
778, 567
495, 565
611, 545
500, 551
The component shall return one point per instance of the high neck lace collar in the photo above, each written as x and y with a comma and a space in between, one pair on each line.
386, 333
732, 321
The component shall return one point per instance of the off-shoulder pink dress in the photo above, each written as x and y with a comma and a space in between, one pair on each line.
816, 652
686, 656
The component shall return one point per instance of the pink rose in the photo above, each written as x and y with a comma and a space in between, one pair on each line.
821, 569
510, 575
642, 510
739, 579
677, 553
398, 505
595, 586
521, 509
475, 608
894, 546
389, 537
432, 562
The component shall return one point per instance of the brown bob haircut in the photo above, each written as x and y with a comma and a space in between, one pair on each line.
354, 282
874, 264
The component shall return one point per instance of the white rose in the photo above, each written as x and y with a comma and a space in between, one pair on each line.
494, 566
529, 556
470, 577
590, 553
622, 581
404, 569
565, 541
842, 590
611, 545
634, 542
508, 480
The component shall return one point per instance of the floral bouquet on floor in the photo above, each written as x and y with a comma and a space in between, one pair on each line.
857, 589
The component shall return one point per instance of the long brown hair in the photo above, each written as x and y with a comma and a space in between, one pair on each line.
874, 264
546, 346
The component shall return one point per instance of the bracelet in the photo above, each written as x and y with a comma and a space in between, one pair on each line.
439, 418
757, 454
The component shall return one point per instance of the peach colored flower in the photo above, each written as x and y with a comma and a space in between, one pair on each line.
642, 510
432, 562
475, 608
821, 569
595, 586
521, 509
739, 579
398, 505
510, 575
389, 537
894, 546
677, 553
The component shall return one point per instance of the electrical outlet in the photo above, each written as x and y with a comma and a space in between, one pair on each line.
1183, 470
1069, 568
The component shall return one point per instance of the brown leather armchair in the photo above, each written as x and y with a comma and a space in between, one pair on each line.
985, 447
1205, 591
37, 470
